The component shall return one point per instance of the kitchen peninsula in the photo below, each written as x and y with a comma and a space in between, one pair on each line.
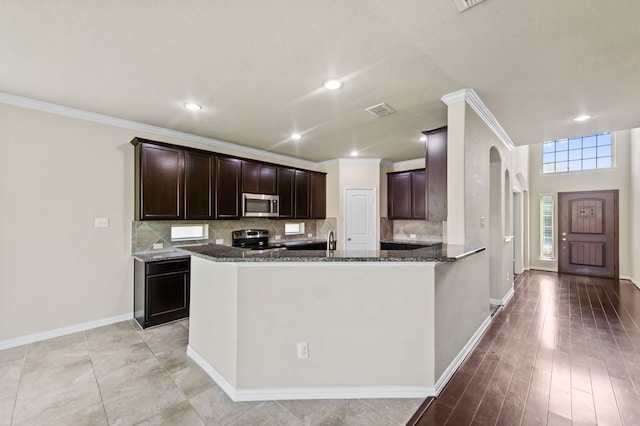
315, 324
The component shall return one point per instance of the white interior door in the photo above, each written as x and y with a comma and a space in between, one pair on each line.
360, 220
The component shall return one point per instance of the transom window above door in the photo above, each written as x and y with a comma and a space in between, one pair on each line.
588, 152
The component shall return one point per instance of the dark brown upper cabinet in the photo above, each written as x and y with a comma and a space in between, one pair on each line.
180, 183
159, 181
302, 193
418, 190
258, 178
436, 164
228, 172
199, 188
301, 190
318, 192
286, 178
406, 194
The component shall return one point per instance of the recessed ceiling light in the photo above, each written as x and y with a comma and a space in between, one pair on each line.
192, 107
332, 84
354, 153
423, 138
582, 118
296, 136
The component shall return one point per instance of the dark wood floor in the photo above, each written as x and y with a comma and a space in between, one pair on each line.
564, 350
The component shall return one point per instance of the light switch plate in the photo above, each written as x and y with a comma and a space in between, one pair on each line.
101, 222
219, 241
158, 246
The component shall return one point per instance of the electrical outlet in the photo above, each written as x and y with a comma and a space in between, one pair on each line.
278, 237
157, 246
309, 235
303, 350
219, 241
101, 222
507, 276
412, 236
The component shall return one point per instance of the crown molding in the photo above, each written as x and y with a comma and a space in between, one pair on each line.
474, 101
34, 104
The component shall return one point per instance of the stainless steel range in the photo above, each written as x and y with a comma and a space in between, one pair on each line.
253, 239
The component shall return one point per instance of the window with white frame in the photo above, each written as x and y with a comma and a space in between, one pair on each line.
546, 227
294, 228
579, 153
189, 232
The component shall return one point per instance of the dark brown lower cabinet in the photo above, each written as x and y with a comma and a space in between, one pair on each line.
322, 245
161, 291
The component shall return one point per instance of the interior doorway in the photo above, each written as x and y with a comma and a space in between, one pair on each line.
496, 223
518, 267
360, 232
588, 233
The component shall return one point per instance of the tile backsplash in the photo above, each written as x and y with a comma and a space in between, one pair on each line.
402, 230
147, 233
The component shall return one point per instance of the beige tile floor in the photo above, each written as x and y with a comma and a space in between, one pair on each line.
121, 375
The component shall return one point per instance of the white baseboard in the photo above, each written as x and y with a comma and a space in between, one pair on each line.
505, 298
508, 296
328, 392
543, 268
634, 282
448, 373
63, 331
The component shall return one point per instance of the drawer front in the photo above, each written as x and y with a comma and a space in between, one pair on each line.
167, 266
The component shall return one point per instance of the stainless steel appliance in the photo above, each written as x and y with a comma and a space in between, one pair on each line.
253, 239
260, 205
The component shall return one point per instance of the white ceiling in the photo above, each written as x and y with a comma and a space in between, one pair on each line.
257, 67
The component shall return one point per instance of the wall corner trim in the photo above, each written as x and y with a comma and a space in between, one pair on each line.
474, 101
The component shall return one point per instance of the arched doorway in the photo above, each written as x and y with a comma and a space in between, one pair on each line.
520, 224
495, 227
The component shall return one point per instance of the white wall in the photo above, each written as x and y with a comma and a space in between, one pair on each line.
470, 140
346, 173
618, 177
57, 174
635, 206
358, 319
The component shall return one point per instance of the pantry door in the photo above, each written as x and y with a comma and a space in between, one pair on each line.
588, 233
360, 220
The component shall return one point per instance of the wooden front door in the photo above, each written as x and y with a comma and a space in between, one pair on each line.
588, 233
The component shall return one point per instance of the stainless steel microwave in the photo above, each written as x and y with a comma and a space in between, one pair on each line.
260, 205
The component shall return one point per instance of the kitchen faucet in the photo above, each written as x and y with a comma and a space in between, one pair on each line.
331, 242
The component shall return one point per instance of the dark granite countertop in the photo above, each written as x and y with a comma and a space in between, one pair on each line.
416, 242
436, 253
161, 255
298, 242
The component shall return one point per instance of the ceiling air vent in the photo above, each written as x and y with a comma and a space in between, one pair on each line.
381, 110
466, 4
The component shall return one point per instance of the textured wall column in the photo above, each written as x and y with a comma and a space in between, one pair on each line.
455, 225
